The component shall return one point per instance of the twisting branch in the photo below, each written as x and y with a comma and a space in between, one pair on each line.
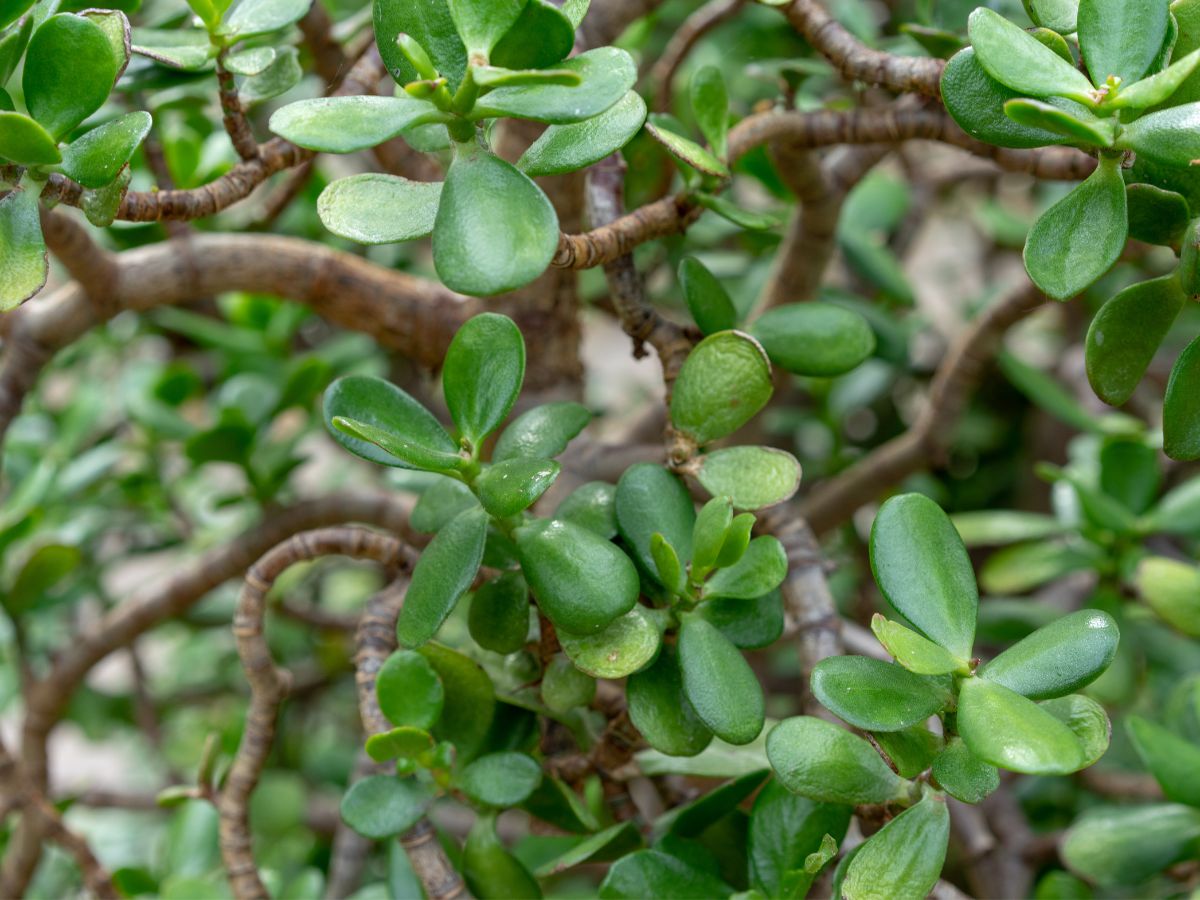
233, 114
834, 501
93, 267
269, 684
705, 19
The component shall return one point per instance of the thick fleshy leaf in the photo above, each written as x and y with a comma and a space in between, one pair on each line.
495, 229
279, 77
710, 105
255, 17
1058, 658
738, 215
1181, 406
690, 820
581, 581
511, 486
1156, 216
1057, 15
377, 402
1174, 762
381, 806
490, 870
1172, 589
97, 157
373, 208
69, 70
430, 25
501, 779
1157, 88
23, 265
26, 143
482, 374
661, 711
749, 624
667, 565
921, 566
253, 61
566, 148
13, 42
543, 431
760, 569
1004, 526
707, 300
963, 775
494, 76
911, 750
481, 23
1126, 333
499, 615
1007, 730
976, 101
818, 339
605, 73
416, 455
825, 762
542, 36
877, 696
405, 743
652, 873
1170, 136
784, 830
710, 531
1087, 721
624, 646
718, 681
1079, 238
613, 842
564, 687
1178, 512
470, 699
348, 124
442, 575
751, 477
1127, 845
688, 151
444, 499
188, 49
409, 690
1121, 37
591, 506
905, 857
11, 10
723, 383
914, 652
651, 499
1020, 61
1078, 125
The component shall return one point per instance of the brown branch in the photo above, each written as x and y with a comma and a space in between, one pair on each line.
329, 60
699, 23
269, 685
233, 114
93, 267
834, 501
607, 19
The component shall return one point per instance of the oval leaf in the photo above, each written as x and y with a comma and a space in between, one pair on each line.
499, 615
818, 339
905, 857
1181, 406
507, 488
409, 690
379, 209
719, 682
723, 383
97, 157
567, 148
1126, 333
649, 500
751, 477
626, 645
377, 402
1059, 658
1007, 730
543, 431
25, 142
825, 762
877, 696
69, 70
661, 711
501, 779
605, 75
482, 374
382, 806
441, 576
1020, 61
1121, 37
23, 264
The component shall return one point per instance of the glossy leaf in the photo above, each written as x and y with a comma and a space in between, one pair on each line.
651, 499
1019, 61
905, 857
490, 870
254, 17
963, 775
624, 646
1057, 15
564, 687
976, 101
509, 487
1174, 762
567, 148
818, 339
415, 455
380, 403
1087, 721
406, 743
1080, 126
723, 383
591, 506
784, 830
1157, 88
581, 581
470, 699
921, 566
1126, 333
605, 74
911, 750
495, 230
501, 779
23, 265
499, 615
707, 300
1168, 136
737, 540
738, 215
667, 566
481, 23
749, 624
1079, 238
482, 374
1059, 658
825, 762
13, 41
718, 681
709, 532
348, 124
1172, 589
441, 502
652, 873
25, 142
543, 431
1156, 216
11, 10
69, 70
1127, 845
752, 477
1181, 406
916, 653
542, 36
1007, 730
877, 696
430, 25
409, 690
1121, 37
660, 710
761, 569
442, 575
97, 157
382, 806
379, 209
688, 151
710, 105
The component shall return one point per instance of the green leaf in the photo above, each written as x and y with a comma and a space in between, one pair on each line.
188, 50
252, 61
1080, 126
751, 477
1189, 259
1121, 37
784, 830
1174, 762
976, 101
723, 383
921, 566
1130, 473
499, 615
564, 687
481, 23
692, 819
1078, 239
1172, 589
416, 455
1127, 845
824, 762
566, 148
661, 711
1021, 567
1178, 512
405, 743
349, 124
905, 857
25, 142
1086, 719
624, 646
963, 775
749, 624
409, 690
1047, 393
1007, 730
97, 157
911, 750
381, 806
23, 265
493, 76
877, 696
543, 36
710, 105
379, 209
651, 499
543, 431
441, 502
1126, 333
605, 74
591, 506
707, 301
1020, 61
760, 570
470, 699
13, 42
509, 487
652, 873
613, 842
283, 74
482, 374
1157, 88
737, 540
11, 10
719, 683
581, 581
1004, 526
254, 17
442, 575
430, 25
45, 569
818, 339
709, 532
1170, 136
1181, 406
377, 402
688, 151
495, 229
743, 218
1059, 658
666, 564
490, 870
501, 779
914, 652
69, 70
1057, 15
